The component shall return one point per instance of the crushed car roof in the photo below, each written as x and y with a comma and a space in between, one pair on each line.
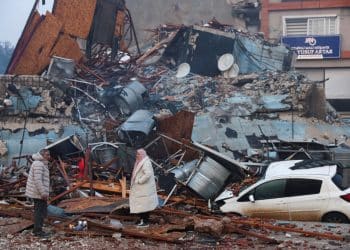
284, 168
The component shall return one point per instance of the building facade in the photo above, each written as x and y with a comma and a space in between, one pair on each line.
318, 31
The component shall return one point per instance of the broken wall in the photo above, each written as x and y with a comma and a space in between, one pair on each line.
34, 138
21, 81
148, 14
316, 102
200, 48
45, 123
76, 15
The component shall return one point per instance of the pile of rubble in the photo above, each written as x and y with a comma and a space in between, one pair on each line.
206, 127
183, 221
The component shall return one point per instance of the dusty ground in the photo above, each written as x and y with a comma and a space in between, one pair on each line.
25, 240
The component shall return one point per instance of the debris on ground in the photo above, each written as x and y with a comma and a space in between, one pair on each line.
211, 114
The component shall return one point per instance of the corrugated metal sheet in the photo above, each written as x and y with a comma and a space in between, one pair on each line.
208, 130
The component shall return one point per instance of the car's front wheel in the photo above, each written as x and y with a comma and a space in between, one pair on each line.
335, 217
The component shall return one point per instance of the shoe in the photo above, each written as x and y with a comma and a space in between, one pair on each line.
42, 234
142, 224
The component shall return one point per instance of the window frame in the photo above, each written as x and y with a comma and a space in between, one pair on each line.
245, 197
308, 17
289, 180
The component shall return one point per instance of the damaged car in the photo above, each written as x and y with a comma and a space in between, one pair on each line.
296, 190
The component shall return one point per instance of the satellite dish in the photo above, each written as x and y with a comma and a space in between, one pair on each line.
225, 62
232, 72
183, 70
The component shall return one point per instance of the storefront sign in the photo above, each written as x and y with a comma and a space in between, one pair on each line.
314, 47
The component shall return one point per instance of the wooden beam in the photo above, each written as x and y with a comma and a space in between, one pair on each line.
66, 192
235, 229
123, 186
288, 229
156, 47
114, 187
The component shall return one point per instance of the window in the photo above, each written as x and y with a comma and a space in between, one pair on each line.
295, 26
303, 26
322, 26
338, 181
298, 187
268, 190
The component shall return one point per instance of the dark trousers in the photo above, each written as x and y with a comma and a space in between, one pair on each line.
40, 213
145, 217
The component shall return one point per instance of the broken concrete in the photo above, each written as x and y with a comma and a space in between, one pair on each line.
230, 116
210, 226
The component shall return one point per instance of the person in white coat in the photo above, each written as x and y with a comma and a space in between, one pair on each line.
143, 192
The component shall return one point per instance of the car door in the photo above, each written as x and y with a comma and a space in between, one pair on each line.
306, 198
269, 201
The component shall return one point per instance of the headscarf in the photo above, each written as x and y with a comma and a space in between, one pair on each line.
140, 156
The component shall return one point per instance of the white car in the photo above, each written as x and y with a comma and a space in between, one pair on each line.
296, 190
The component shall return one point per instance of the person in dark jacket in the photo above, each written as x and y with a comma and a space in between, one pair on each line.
37, 188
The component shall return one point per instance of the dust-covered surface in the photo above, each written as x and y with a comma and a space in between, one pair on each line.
191, 240
236, 111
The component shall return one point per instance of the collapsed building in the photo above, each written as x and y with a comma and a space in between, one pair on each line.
212, 105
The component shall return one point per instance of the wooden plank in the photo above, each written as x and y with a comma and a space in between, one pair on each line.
233, 229
116, 187
33, 21
67, 47
63, 172
123, 186
76, 16
155, 48
36, 55
99, 186
136, 233
66, 192
119, 29
288, 229
17, 227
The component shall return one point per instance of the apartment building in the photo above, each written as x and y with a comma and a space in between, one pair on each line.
319, 32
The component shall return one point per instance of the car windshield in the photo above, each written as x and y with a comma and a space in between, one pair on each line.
249, 185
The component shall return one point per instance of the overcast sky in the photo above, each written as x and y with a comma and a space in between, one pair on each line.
14, 15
